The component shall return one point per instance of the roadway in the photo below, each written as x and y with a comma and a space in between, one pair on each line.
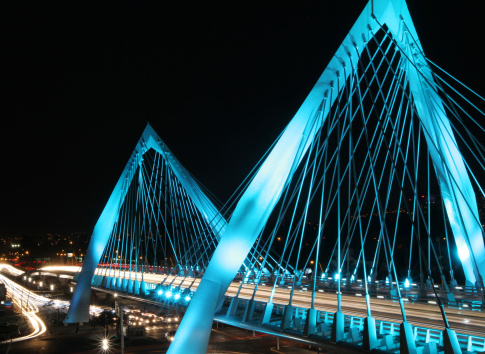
469, 321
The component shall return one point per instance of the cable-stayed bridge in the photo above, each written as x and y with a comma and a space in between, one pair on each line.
358, 222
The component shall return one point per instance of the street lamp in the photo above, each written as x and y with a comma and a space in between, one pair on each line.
104, 344
52, 287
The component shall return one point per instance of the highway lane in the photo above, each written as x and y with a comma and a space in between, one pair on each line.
427, 315
466, 321
29, 303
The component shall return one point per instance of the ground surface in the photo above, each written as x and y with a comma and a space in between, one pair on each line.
87, 339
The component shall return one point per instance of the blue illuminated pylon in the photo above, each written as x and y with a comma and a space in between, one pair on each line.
79, 307
263, 193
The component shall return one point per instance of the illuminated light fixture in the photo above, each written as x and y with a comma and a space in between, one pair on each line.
160, 292
116, 295
407, 283
337, 276
187, 298
104, 344
177, 296
168, 294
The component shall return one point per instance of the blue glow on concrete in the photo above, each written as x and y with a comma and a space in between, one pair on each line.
79, 307
264, 191
463, 253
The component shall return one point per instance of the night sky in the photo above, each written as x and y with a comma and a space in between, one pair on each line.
217, 82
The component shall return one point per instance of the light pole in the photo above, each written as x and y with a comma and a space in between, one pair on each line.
121, 330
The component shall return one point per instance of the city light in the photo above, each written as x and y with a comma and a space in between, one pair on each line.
168, 294
160, 292
406, 283
187, 298
177, 296
104, 344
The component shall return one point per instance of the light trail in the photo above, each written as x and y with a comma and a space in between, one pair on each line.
10, 269
29, 303
29, 308
465, 320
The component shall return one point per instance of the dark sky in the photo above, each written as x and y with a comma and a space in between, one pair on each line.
217, 82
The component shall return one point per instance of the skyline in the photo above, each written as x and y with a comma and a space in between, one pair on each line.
217, 85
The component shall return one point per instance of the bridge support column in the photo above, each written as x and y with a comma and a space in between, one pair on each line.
369, 340
287, 317
113, 283
143, 288
337, 327
119, 284
136, 287
108, 283
248, 312
310, 322
130, 286
450, 342
407, 343
268, 310
124, 285
233, 307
